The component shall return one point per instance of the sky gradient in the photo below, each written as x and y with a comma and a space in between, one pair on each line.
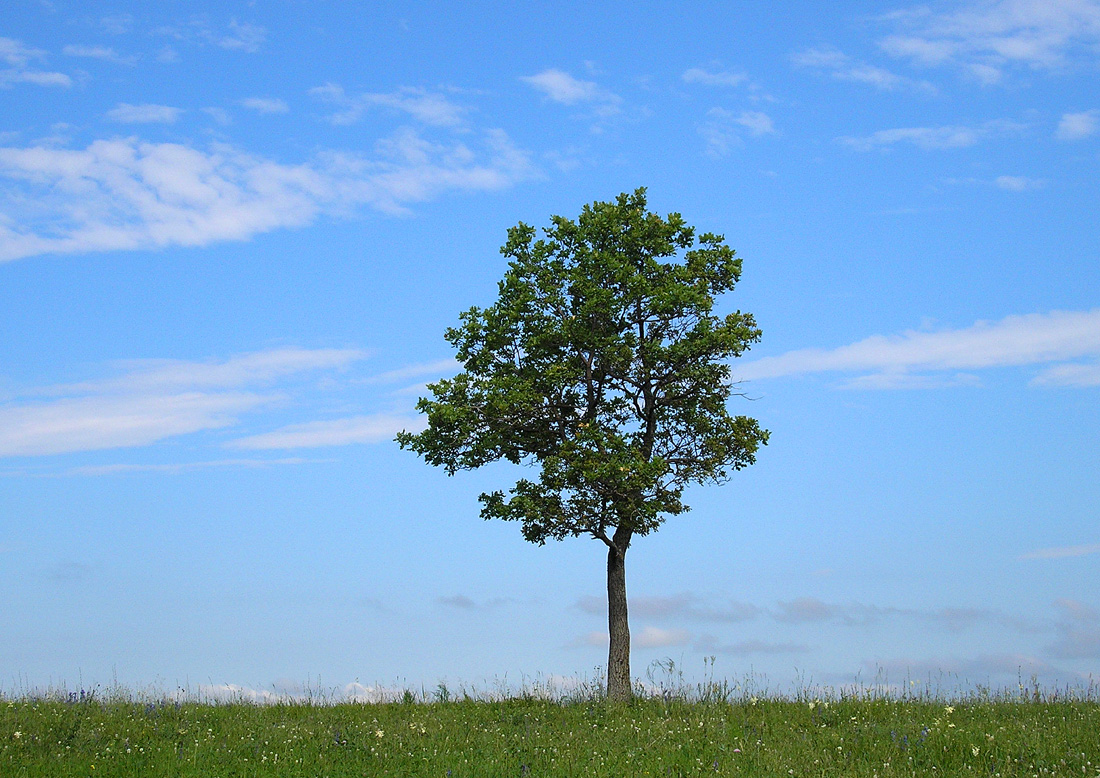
232, 235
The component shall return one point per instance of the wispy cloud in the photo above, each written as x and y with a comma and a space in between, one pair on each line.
1063, 552
723, 129
91, 423
648, 637
333, 432
713, 78
152, 401
415, 371
945, 137
116, 24
1029, 339
843, 68
1018, 183
430, 108
1078, 126
655, 637
129, 194
184, 467
148, 113
751, 647
18, 57
259, 367
241, 37
679, 606
563, 88
267, 105
1078, 631
105, 53
985, 37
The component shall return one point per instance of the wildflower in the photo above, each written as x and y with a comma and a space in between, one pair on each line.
949, 709
975, 750
17, 735
379, 733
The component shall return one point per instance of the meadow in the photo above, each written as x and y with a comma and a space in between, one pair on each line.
716, 732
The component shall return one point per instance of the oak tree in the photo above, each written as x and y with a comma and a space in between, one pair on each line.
603, 365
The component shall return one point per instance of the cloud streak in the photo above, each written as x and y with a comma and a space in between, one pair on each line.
153, 401
1063, 552
124, 113
984, 38
563, 88
430, 108
843, 68
18, 56
1078, 126
334, 432
707, 78
127, 194
1030, 339
932, 138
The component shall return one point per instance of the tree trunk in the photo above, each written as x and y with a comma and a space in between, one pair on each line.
618, 656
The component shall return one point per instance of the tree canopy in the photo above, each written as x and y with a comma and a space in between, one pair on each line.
603, 364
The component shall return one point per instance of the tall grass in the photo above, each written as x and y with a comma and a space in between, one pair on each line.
711, 728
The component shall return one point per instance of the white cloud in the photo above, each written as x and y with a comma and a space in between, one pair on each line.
749, 647
184, 467
258, 367
220, 115
757, 122
562, 88
948, 137
805, 609
721, 132
654, 637
334, 432
1078, 631
984, 37
415, 371
152, 401
1070, 375
1077, 126
92, 423
923, 137
117, 24
1028, 339
1018, 183
844, 68
720, 78
430, 108
1063, 552
129, 194
104, 53
649, 637
589, 639
18, 55
147, 113
265, 105
242, 37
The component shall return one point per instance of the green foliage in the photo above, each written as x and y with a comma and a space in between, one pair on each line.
859, 736
603, 363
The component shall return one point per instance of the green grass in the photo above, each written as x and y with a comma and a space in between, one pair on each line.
861, 735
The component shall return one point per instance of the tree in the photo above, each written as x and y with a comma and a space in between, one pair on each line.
602, 364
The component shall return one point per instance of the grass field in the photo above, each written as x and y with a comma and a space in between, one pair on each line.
859, 734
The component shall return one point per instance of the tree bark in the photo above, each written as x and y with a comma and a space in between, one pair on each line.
618, 657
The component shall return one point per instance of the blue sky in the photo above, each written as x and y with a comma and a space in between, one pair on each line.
231, 237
